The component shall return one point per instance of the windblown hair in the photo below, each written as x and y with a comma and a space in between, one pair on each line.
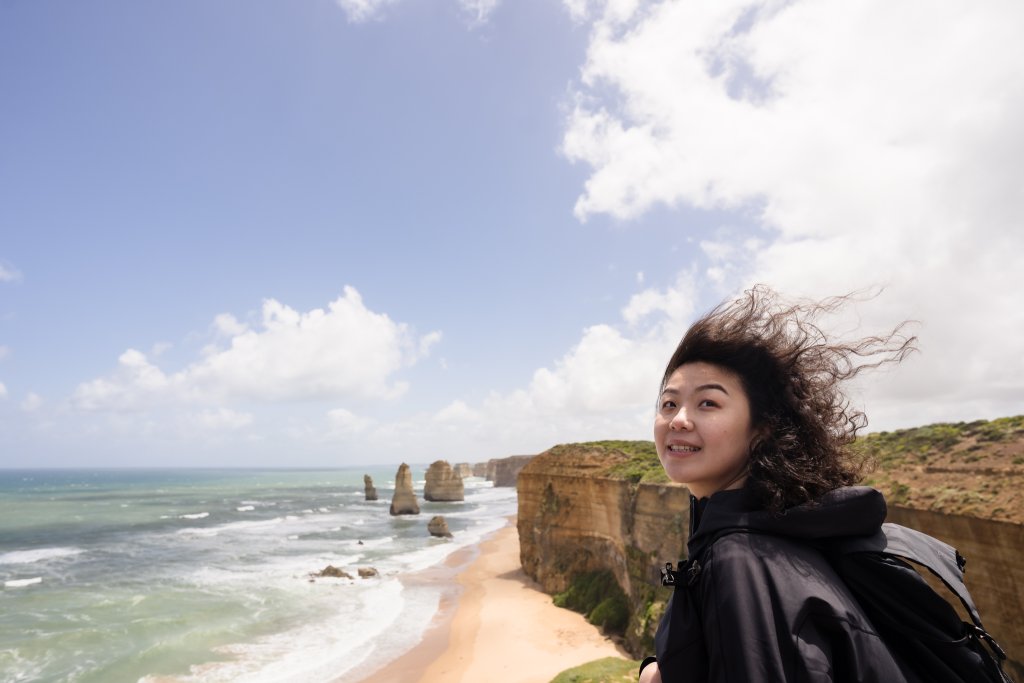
792, 372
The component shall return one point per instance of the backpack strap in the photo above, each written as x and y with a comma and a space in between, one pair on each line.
939, 558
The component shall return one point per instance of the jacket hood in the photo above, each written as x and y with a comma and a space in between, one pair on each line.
846, 511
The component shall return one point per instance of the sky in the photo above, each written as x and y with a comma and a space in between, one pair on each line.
343, 232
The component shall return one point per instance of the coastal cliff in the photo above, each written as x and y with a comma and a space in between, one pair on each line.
605, 506
579, 512
504, 471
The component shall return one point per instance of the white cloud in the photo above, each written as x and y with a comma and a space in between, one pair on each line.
223, 419
9, 273
3, 390
363, 10
866, 151
345, 351
344, 422
4, 351
32, 402
675, 303
479, 11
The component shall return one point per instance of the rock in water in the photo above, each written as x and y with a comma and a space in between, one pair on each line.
438, 527
404, 500
371, 492
332, 572
367, 572
443, 483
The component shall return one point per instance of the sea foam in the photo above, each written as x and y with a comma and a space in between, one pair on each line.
37, 555
21, 583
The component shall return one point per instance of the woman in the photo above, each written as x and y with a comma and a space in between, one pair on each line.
752, 419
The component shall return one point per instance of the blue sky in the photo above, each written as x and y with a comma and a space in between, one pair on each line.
329, 233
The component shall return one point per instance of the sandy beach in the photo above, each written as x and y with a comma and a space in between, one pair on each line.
498, 627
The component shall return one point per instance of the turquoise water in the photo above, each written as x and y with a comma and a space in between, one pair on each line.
203, 575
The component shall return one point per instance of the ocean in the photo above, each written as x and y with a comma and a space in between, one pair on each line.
159, 576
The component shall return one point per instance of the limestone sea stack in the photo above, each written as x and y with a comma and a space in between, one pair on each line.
437, 526
404, 500
371, 492
443, 483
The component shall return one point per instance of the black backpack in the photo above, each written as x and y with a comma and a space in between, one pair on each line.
919, 625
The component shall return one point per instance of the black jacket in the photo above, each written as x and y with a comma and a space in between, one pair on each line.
763, 605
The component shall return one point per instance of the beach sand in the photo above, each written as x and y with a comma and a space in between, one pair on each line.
500, 628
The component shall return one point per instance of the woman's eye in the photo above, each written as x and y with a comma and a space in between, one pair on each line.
708, 403
667, 405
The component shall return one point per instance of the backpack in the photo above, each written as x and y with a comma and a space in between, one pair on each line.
920, 627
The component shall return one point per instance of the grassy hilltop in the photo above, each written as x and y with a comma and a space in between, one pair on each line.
969, 468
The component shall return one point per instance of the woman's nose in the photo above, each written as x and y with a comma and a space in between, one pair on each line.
680, 420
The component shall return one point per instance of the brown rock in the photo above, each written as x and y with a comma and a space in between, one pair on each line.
404, 500
505, 471
371, 492
331, 571
443, 483
438, 527
464, 469
367, 572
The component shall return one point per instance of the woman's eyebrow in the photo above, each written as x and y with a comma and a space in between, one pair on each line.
712, 385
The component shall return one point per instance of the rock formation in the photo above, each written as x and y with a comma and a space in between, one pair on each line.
368, 572
404, 500
371, 492
330, 571
574, 518
443, 483
480, 469
464, 469
504, 471
438, 527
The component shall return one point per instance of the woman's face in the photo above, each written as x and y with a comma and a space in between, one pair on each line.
702, 430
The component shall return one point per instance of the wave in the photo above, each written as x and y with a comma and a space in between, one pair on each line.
21, 583
38, 555
245, 508
198, 515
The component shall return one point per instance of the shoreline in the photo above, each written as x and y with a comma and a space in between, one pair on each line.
495, 624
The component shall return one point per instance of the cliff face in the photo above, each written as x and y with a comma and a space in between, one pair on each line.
504, 471
574, 517
573, 520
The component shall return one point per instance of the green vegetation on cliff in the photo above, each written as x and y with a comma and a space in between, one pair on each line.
919, 445
643, 464
607, 670
945, 467
597, 595
967, 468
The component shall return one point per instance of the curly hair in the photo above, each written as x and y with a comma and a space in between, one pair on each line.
792, 372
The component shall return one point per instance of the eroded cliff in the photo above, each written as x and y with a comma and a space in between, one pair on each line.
587, 507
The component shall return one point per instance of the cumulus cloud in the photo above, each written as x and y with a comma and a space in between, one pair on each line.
32, 402
603, 387
3, 390
872, 143
343, 351
344, 422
